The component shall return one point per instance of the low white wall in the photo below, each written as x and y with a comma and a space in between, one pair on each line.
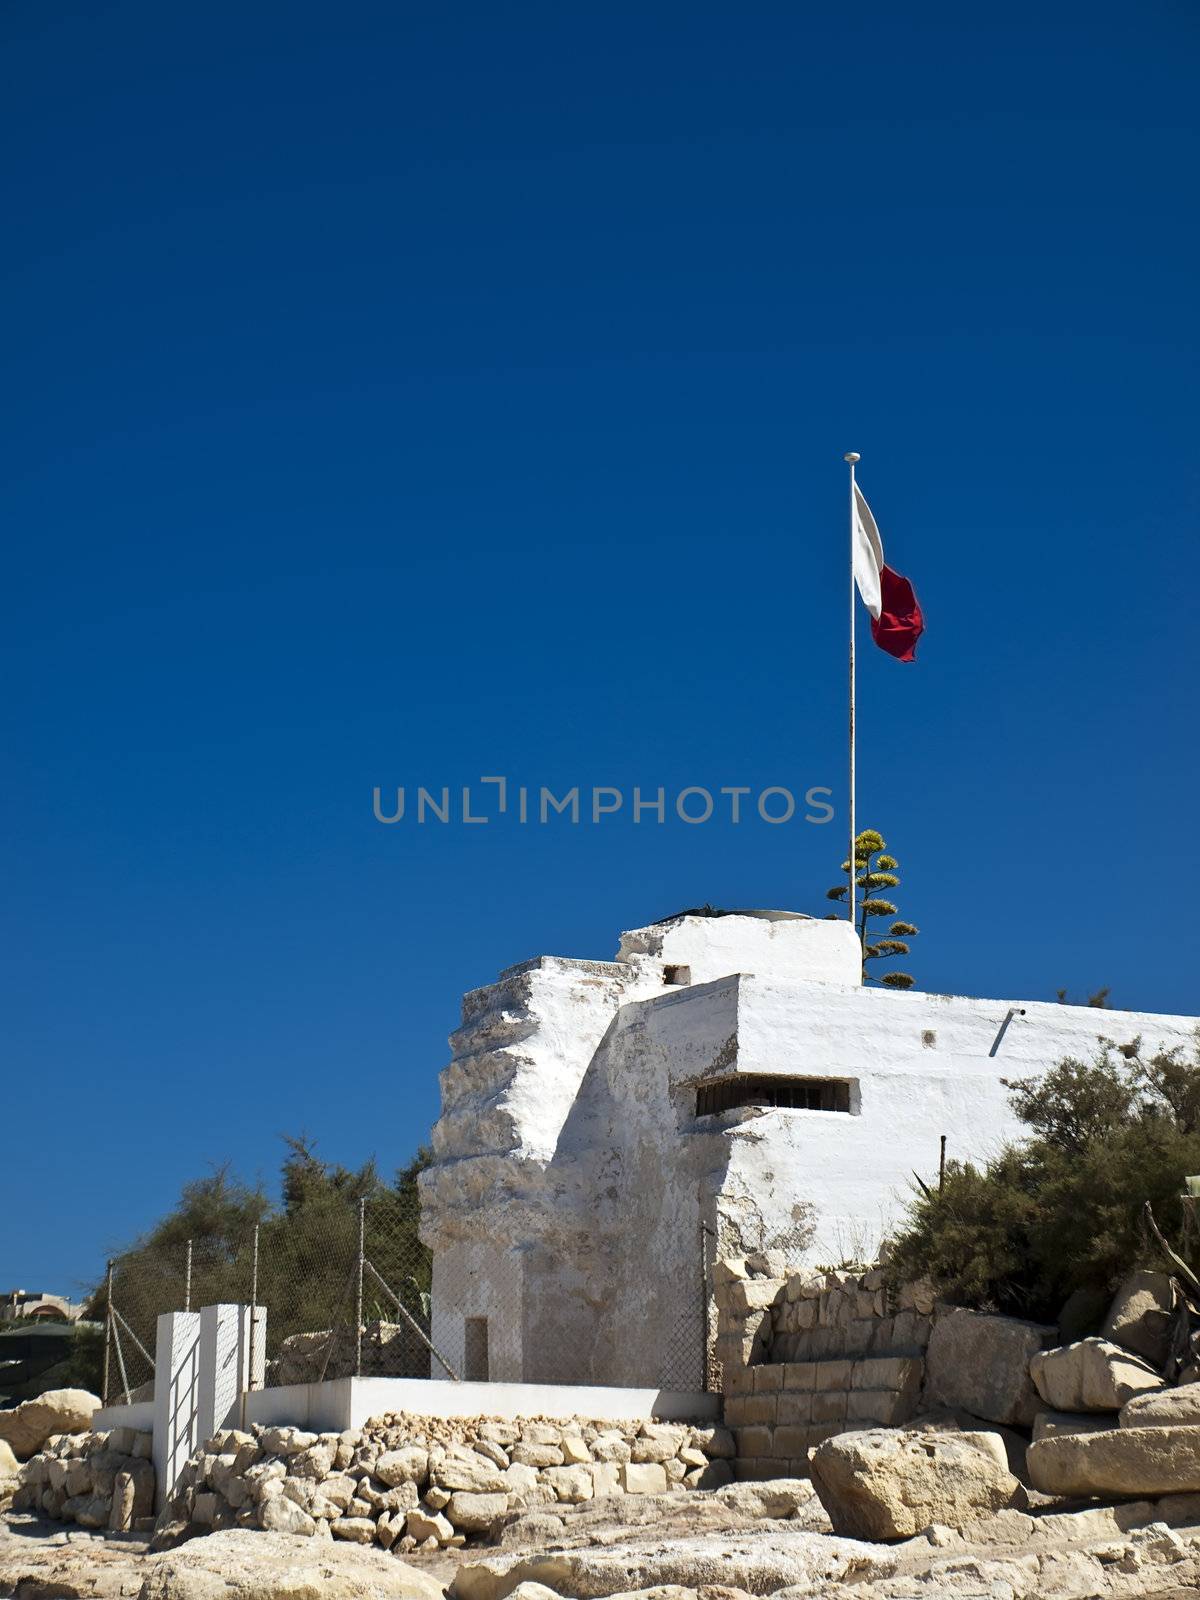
348, 1402
139, 1416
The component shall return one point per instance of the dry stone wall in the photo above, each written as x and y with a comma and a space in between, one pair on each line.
407, 1482
98, 1480
806, 1354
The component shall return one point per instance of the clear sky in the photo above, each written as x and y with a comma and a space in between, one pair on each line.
398, 394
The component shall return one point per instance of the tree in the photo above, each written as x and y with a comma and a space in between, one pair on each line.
876, 870
1060, 1210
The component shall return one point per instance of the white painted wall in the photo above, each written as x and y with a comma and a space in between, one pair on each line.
569, 1139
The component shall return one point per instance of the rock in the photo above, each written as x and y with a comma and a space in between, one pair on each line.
981, 1363
572, 1484
245, 1565
285, 1441
1050, 1424
1081, 1314
892, 1483
773, 1498
358, 1530
120, 1516
475, 1513
575, 1452
410, 1465
1090, 1375
643, 1477
533, 1453
792, 1559
1128, 1463
717, 1443
1168, 1408
10, 1473
281, 1514
316, 1462
478, 1476
421, 1525
1139, 1318
25, 1428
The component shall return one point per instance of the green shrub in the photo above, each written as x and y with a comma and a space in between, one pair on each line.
1061, 1210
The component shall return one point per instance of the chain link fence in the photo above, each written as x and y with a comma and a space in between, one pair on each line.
354, 1292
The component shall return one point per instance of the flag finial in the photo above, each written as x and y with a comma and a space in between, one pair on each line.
852, 456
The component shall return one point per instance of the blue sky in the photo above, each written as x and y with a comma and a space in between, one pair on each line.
398, 394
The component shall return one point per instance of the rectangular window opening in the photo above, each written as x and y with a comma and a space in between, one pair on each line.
677, 975
475, 1350
795, 1094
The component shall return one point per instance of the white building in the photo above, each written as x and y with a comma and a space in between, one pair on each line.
727, 1075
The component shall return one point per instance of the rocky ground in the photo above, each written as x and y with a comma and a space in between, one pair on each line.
745, 1539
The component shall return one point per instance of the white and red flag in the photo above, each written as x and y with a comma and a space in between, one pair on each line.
896, 619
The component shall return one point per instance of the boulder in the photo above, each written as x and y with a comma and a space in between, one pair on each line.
245, 1565
1125, 1463
643, 1477
475, 1513
478, 1475
889, 1483
1139, 1318
981, 1364
27, 1427
1090, 1375
424, 1525
1167, 1408
409, 1465
10, 1474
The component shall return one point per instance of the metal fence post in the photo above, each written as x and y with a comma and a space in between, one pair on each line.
358, 1304
187, 1279
108, 1311
249, 1383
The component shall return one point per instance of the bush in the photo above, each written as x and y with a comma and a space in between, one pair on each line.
1061, 1210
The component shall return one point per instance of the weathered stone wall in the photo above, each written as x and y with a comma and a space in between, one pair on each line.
98, 1480
407, 1482
806, 1354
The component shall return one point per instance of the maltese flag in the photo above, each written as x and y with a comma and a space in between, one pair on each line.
896, 619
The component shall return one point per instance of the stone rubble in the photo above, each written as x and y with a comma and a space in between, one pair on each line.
98, 1480
417, 1483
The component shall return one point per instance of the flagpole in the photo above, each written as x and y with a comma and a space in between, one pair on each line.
852, 456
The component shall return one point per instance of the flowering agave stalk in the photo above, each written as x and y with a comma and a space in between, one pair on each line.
875, 870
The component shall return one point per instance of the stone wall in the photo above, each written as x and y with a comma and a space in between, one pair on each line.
407, 1482
98, 1480
807, 1354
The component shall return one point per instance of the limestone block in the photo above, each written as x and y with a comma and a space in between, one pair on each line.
279, 1514
532, 1454
1166, 1408
982, 1364
800, 1375
1122, 1462
541, 1432
609, 1446
357, 1530
474, 1513
753, 1408
606, 1478
717, 1443
901, 1373
891, 1484
645, 1477
834, 1374
1139, 1318
1090, 1375
285, 1441
316, 1462
882, 1407
728, 1271
664, 1449
1049, 1424
477, 1476
572, 1484
120, 1516
768, 1378
519, 1479
752, 1295
829, 1405
795, 1407
492, 1452
422, 1525
407, 1465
